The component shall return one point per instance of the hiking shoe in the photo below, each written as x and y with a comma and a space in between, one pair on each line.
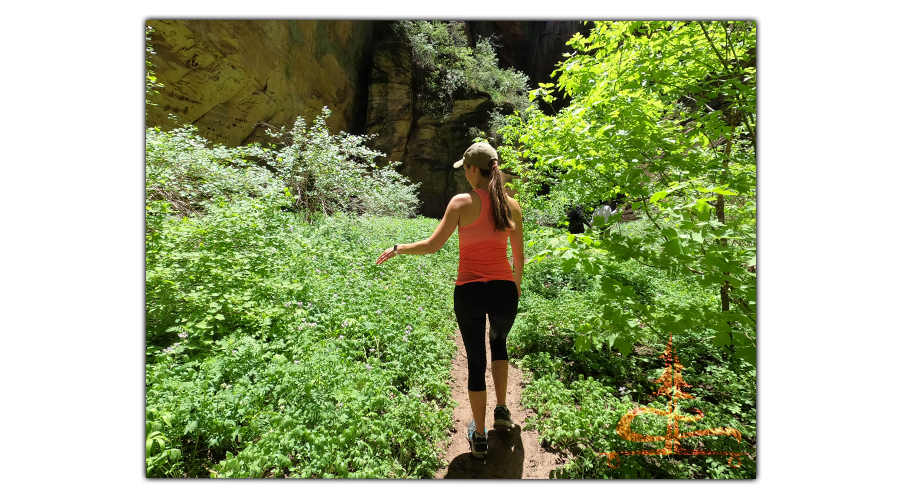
478, 444
502, 419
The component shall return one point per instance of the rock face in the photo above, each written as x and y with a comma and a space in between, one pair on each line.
230, 77
389, 112
436, 144
428, 146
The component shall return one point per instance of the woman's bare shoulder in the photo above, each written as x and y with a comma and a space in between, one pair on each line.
514, 204
463, 199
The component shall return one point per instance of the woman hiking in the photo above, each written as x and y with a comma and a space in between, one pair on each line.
485, 285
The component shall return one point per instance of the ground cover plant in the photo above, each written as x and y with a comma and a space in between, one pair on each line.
293, 354
662, 117
581, 390
276, 347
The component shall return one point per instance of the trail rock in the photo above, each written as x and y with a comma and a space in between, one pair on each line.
435, 144
390, 107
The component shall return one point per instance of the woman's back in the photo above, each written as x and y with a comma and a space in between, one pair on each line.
482, 249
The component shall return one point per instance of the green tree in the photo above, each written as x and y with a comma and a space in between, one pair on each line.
664, 113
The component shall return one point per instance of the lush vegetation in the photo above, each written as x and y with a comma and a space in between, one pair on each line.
447, 67
270, 353
664, 115
581, 391
273, 342
321, 173
276, 347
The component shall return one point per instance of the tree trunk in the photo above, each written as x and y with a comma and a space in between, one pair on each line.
720, 216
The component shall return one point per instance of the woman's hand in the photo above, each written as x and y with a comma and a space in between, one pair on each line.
387, 254
520, 289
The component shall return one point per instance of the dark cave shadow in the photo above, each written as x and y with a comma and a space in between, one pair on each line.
505, 458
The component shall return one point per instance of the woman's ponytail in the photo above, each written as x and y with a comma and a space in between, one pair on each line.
502, 214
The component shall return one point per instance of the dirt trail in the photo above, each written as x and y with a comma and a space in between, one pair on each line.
512, 454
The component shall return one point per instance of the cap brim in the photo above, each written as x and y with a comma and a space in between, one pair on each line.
458, 164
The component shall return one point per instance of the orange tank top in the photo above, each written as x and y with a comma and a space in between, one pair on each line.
482, 250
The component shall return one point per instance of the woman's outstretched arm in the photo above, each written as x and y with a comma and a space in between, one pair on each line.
437, 239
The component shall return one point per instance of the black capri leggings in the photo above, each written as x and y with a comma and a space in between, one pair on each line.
499, 300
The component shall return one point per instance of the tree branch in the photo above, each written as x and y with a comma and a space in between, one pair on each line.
742, 303
645, 264
744, 308
713, 45
644, 321
749, 129
728, 44
644, 204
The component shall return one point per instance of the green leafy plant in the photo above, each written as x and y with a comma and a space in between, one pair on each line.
580, 385
337, 173
184, 172
664, 114
278, 348
448, 68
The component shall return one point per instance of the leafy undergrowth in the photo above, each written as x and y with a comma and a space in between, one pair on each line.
580, 392
277, 348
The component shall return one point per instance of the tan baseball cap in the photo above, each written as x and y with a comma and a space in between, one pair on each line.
479, 154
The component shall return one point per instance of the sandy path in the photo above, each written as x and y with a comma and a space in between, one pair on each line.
512, 454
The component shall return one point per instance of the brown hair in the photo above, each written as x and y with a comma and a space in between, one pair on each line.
502, 214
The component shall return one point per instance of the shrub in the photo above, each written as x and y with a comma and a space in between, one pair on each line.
336, 173
185, 171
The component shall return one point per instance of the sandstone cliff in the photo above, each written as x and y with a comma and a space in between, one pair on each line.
229, 77
427, 145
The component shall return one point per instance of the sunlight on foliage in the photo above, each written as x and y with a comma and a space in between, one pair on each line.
337, 173
275, 347
662, 114
448, 66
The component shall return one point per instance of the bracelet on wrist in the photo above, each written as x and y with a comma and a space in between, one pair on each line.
395, 249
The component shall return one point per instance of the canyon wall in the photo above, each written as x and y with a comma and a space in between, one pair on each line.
232, 78
229, 78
